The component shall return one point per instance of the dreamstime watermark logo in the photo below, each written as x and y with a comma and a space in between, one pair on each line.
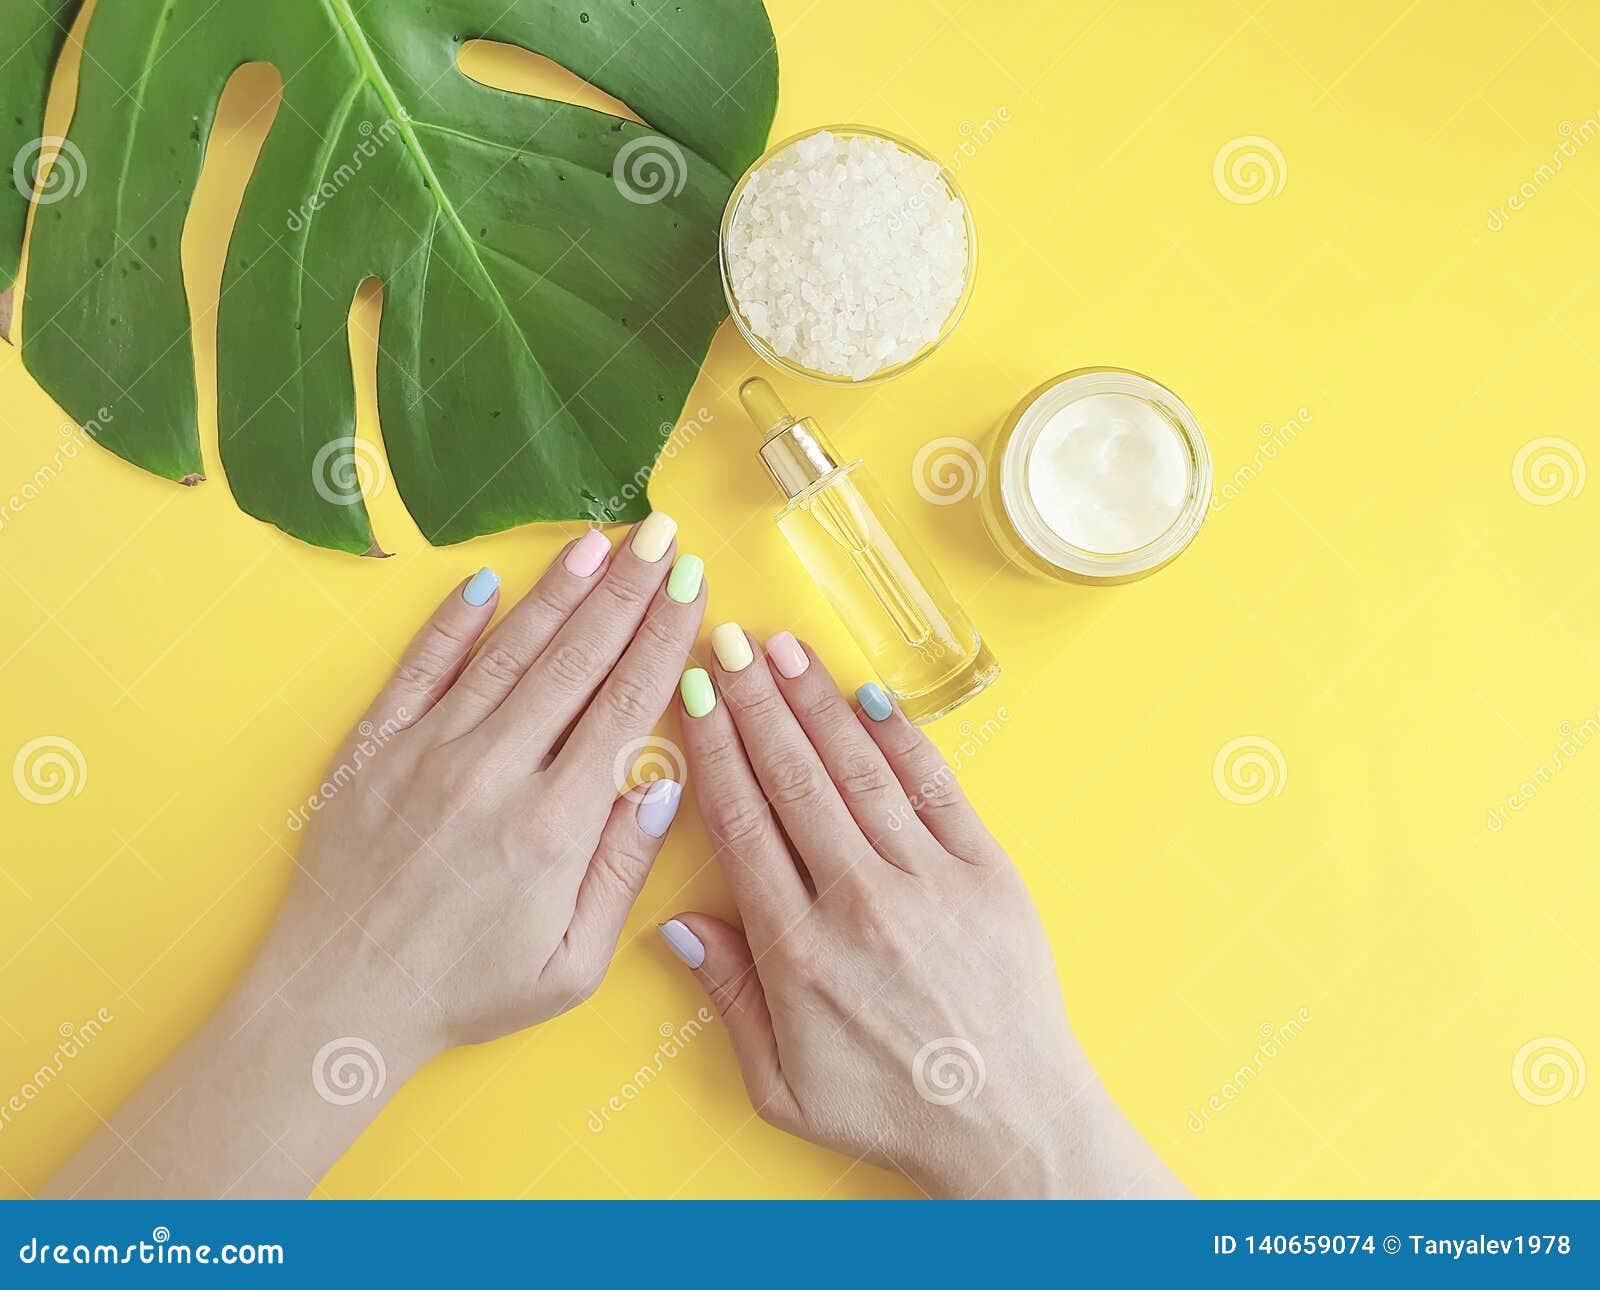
949, 470
1274, 440
674, 1039
643, 761
1574, 739
1249, 769
934, 191
347, 469
1249, 169
1274, 1039
369, 739
975, 138
73, 438
674, 440
650, 169
974, 739
74, 1038
348, 1070
160, 1250
948, 1070
1548, 470
373, 140
1548, 1070
1573, 137
49, 769
66, 176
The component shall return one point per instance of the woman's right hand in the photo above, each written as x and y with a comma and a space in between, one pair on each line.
892, 994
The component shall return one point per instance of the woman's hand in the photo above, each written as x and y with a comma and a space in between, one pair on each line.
481, 864
466, 870
892, 994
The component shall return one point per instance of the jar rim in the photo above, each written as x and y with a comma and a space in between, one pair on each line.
1021, 432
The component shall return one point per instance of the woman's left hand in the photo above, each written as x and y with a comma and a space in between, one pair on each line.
480, 861
467, 868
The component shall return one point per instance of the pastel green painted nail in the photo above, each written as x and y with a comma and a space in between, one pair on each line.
698, 696
874, 702
684, 583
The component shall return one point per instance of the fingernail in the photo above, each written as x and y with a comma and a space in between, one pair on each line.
483, 585
698, 696
874, 702
654, 536
682, 942
683, 584
588, 554
731, 647
659, 805
787, 656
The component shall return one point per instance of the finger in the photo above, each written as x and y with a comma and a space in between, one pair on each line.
437, 653
629, 843
630, 703
856, 765
754, 856
530, 626
791, 774
561, 681
720, 958
929, 781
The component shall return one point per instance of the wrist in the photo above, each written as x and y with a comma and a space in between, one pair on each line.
1002, 1165
259, 1103
1073, 1145
340, 986
308, 1049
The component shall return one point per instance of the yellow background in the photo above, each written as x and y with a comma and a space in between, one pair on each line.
1380, 602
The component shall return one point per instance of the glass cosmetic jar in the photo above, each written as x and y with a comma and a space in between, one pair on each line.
946, 180
1098, 476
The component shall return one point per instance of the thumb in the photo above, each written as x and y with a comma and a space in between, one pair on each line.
721, 960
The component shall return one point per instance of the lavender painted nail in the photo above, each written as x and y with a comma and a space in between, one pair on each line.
659, 805
682, 942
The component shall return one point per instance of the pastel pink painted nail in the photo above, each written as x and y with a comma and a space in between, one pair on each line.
787, 656
588, 553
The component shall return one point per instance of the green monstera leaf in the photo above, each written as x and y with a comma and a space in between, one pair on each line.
31, 35
550, 272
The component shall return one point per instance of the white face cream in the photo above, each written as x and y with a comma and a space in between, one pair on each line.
1098, 476
1108, 473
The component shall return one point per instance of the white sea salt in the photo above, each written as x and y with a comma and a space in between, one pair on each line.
847, 254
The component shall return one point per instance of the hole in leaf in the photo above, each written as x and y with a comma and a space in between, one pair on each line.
521, 71
245, 113
385, 508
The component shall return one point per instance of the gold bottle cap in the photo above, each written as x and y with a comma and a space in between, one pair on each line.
796, 452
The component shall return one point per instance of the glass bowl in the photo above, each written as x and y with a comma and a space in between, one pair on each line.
760, 345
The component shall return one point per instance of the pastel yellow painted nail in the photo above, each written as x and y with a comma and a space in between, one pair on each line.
654, 536
698, 696
732, 647
683, 585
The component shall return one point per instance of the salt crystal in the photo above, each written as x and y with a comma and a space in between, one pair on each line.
847, 255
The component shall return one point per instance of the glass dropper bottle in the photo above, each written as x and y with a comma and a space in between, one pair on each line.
876, 576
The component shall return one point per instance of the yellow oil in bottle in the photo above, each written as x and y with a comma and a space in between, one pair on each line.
878, 579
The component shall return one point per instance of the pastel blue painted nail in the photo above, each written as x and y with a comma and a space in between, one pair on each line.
483, 585
874, 702
659, 805
690, 950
